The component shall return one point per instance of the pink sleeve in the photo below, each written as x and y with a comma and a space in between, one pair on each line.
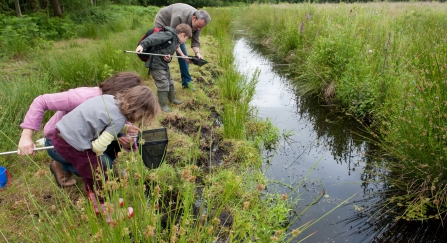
64, 101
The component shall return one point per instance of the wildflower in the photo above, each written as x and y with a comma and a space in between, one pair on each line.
98, 236
152, 176
181, 231
278, 233
125, 232
296, 232
301, 27
111, 185
210, 229
84, 217
149, 232
41, 173
53, 208
137, 175
80, 203
170, 188
273, 238
186, 175
246, 205
157, 190
370, 51
216, 221
284, 197
108, 209
261, 187
307, 16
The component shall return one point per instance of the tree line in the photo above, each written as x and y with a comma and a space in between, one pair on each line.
57, 8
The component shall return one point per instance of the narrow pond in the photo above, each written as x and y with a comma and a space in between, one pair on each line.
336, 146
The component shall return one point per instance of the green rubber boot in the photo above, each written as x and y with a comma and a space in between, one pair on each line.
171, 95
163, 101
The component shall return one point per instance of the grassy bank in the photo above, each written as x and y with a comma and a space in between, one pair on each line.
383, 63
209, 189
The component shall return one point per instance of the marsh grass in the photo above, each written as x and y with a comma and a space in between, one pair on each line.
16, 93
177, 202
384, 64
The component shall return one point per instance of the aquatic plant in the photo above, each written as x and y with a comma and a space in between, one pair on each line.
382, 65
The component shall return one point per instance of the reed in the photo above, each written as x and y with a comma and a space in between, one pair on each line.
177, 202
381, 63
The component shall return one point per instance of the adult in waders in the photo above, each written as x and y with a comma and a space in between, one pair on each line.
179, 13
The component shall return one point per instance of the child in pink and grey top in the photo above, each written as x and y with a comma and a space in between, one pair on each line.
63, 103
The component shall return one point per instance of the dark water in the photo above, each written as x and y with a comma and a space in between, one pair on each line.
338, 145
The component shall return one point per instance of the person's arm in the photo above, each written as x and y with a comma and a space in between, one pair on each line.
56, 102
26, 144
181, 54
197, 52
34, 116
100, 144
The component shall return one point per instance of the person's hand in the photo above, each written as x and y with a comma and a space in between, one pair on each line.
187, 59
167, 58
126, 142
132, 130
139, 49
26, 144
198, 55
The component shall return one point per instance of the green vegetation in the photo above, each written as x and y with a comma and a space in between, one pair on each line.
210, 187
383, 63
22, 36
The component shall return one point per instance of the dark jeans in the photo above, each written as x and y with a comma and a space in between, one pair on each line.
184, 67
107, 158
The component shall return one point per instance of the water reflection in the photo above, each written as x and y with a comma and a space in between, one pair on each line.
346, 167
376, 223
341, 135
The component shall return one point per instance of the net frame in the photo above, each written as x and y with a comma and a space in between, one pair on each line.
196, 61
152, 145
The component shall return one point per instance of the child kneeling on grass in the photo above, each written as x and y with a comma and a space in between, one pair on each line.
158, 65
83, 135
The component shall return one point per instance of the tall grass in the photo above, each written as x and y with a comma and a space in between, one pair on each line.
15, 94
381, 62
236, 89
174, 203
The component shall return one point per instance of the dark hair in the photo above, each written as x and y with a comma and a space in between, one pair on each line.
184, 28
119, 82
138, 104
